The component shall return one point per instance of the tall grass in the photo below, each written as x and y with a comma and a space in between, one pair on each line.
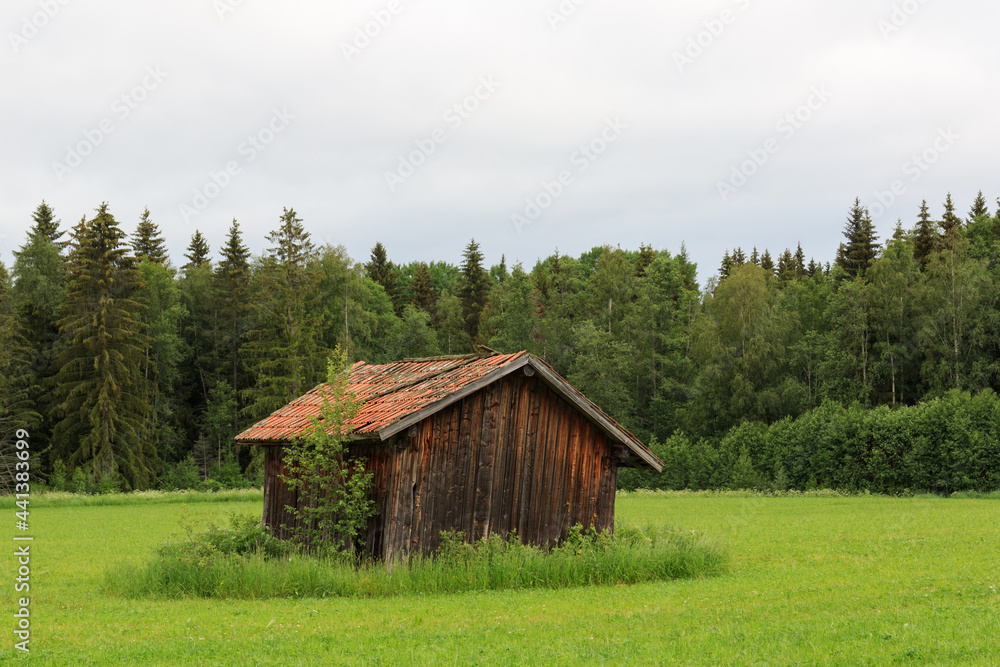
629, 557
67, 499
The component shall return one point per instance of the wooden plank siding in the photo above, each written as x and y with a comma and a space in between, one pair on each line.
513, 456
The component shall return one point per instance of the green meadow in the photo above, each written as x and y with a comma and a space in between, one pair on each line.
812, 580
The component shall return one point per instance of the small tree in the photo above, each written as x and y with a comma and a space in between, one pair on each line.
334, 492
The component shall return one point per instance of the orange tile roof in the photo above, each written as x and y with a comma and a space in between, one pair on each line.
397, 392
390, 392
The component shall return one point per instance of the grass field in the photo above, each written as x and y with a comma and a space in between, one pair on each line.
812, 581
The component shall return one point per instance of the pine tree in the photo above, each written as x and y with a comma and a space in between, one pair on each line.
198, 252
101, 397
16, 404
646, 257
951, 225
739, 257
148, 241
384, 272
800, 262
898, 233
47, 225
727, 266
813, 269
231, 284
786, 267
925, 236
473, 288
498, 272
163, 318
979, 208
424, 296
285, 348
755, 257
862, 247
40, 275
767, 263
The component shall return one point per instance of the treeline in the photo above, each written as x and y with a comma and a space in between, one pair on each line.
943, 445
130, 369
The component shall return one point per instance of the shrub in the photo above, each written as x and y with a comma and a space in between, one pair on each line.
57, 480
181, 475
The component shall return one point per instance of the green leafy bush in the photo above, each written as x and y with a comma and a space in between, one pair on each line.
181, 475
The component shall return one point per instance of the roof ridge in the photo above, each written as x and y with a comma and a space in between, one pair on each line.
412, 383
443, 357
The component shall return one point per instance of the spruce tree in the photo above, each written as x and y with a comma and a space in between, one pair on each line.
16, 404
925, 236
47, 225
285, 348
384, 272
198, 252
473, 288
101, 397
498, 272
646, 257
727, 266
979, 208
786, 267
148, 241
424, 296
951, 225
767, 263
755, 257
800, 261
232, 286
862, 247
40, 275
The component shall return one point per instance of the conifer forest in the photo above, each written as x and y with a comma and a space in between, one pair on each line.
871, 366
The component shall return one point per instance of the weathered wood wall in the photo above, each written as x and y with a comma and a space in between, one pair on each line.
513, 456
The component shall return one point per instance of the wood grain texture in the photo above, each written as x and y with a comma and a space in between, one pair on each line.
512, 456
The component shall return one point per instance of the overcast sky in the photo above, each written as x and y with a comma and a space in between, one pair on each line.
529, 125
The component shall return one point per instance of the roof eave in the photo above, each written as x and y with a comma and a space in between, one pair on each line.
556, 383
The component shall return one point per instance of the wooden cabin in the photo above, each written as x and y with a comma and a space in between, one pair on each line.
477, 444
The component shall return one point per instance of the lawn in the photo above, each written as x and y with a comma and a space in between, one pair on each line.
813, 580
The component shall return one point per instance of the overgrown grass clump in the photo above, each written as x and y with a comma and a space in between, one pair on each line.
245, 561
